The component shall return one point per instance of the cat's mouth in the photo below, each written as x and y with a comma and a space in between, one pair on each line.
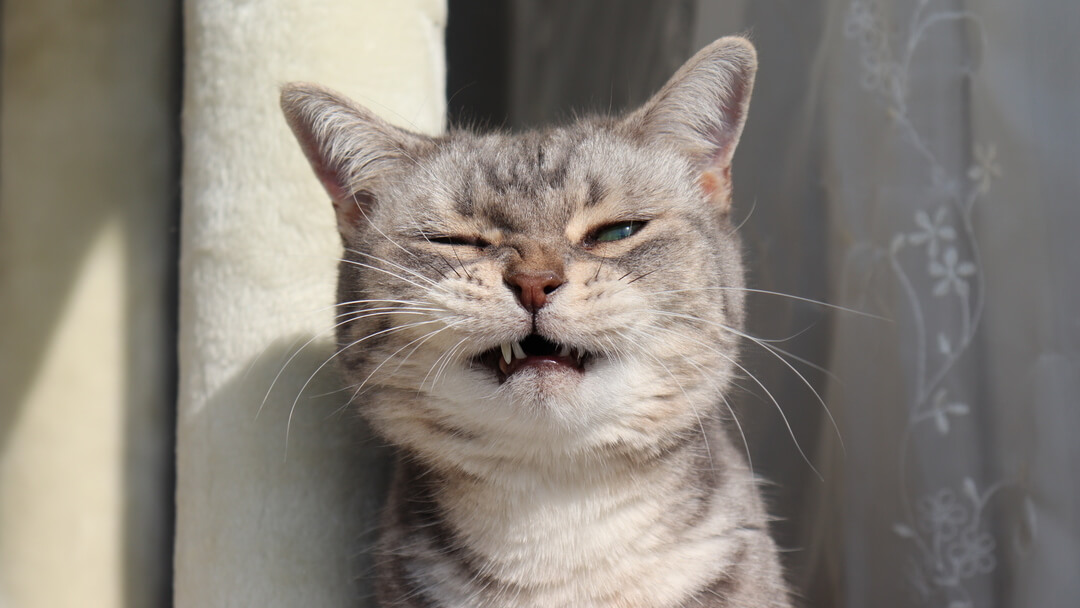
533, 351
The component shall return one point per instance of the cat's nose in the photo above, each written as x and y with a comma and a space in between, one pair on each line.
532, 288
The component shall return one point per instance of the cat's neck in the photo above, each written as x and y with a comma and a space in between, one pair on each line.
577, 532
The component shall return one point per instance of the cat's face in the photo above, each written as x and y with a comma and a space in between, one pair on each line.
560, 290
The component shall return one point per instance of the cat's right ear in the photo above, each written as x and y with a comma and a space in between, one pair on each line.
352, 151
701, 112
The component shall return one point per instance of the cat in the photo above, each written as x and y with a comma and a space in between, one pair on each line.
546, 326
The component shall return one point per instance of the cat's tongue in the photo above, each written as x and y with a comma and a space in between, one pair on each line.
540, 361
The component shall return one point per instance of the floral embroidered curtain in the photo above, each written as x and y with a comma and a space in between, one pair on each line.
937, 142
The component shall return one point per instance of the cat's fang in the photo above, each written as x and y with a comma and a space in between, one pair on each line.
518, 351
506, 351
564, 351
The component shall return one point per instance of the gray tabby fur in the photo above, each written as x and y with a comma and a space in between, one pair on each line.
618, 486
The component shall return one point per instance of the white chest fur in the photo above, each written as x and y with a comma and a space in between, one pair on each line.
585, 540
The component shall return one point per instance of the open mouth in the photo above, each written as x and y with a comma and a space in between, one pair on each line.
533, 351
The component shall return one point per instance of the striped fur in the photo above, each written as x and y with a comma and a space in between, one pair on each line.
612, 485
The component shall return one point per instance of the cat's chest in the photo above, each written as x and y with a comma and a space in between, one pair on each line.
586, 543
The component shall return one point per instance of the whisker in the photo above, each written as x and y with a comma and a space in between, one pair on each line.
720, 392
420, 388
421, 340
411, 271
638, 278
689, 401
370, 301
388, 311
777, 293
776, 352
450, 355
738, 425
288, 361
750, 375
376, 228
395, 275
292, 409
441, 257
753, 206
406, 268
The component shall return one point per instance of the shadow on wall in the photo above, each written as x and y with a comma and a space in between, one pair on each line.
285, 427
90, 105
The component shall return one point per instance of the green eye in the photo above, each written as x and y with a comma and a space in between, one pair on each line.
615, 232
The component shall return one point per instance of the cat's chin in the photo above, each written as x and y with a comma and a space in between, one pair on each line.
534, 357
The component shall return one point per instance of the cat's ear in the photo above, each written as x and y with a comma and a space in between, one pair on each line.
352, 151
701, 111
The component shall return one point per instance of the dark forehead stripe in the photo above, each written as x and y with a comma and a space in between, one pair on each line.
463, 198
531, 163
554, 167
501, 218
597, 191
493, 178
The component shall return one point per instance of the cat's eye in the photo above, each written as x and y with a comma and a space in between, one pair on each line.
614, 232
468, 241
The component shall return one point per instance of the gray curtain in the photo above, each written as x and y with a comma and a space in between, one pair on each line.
916, 160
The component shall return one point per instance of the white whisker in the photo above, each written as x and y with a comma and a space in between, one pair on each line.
776, 352
783, 416
292, 409
776, 293
418, 341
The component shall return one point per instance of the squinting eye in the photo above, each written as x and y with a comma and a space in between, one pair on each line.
469, 241
614, 232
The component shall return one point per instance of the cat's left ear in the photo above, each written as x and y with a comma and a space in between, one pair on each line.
354, 153
701, 112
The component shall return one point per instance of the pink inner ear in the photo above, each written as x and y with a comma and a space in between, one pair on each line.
352, 209
327, 174
725, 132
331, 181
716, 184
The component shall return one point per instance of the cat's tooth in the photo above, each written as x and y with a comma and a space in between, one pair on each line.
518, 351
564, 351
505, 351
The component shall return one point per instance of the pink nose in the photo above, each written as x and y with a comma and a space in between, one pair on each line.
532, 288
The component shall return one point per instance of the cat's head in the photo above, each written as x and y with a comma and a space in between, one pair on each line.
564, 289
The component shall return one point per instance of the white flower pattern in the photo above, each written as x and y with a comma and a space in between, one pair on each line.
952, 274
985, 169
933, 231
945, 529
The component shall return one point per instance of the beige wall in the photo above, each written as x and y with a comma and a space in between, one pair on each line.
87, 192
